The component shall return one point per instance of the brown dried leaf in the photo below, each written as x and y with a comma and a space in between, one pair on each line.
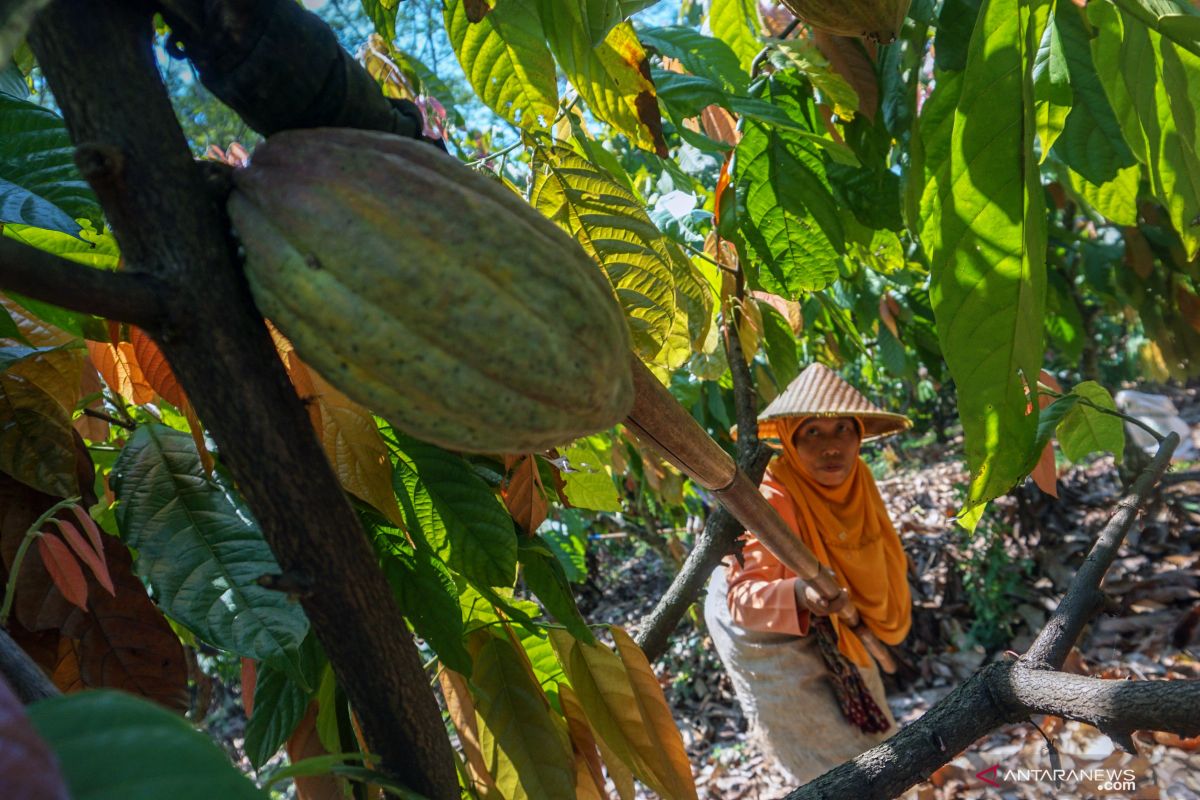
36, 438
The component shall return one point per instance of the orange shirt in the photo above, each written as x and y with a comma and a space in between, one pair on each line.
762, 591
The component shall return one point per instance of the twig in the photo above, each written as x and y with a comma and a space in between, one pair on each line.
757, 63
1083, 597
125, 296
31, 533
109, 418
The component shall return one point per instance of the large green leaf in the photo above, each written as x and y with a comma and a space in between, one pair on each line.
1154, 86
614, 229
1085, 429
200, 549
790, 229
505, 58
984, 229
37, 443
588, 483
114, 746
1091, 141
547, 579
700, 55
525, 747
612, 75
279, 705
382, 14
1116, 199
37, 170
735, 22
427, 596
451, 507
1051, 87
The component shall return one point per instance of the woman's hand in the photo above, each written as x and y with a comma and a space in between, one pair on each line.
808, 598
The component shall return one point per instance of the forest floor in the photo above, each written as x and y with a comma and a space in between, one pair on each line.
1025, 554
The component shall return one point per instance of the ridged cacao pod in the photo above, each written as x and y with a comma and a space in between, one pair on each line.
877, 20
429, 293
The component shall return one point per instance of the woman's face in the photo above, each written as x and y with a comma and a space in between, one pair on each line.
828, 448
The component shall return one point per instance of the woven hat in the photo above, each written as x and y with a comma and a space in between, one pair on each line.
818, 391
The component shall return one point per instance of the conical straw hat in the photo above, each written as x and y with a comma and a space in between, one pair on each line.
818, 391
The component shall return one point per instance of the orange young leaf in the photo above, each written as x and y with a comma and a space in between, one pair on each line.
720, 125
154, 366
64, 570
788, 309
305, 743
889, 309
589, 777
119, 368
206, 458
676, 772
35, 331
847, 58
302, 381
461, 708
523, 494
89, 556
1045, 474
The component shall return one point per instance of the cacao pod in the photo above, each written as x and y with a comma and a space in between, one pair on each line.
877, 20
429, 293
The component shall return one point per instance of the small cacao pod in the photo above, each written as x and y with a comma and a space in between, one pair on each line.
877, 20
429, 293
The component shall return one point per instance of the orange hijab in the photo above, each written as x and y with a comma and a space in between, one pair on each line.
848, 529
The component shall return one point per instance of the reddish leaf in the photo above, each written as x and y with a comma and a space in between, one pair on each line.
720, 125
155, 367
249, 683
1045, 475
28, 768
476, 9
523, 494
1189, 306
118, 366
889, 309
305, 743
89, 553
63, 568
206, 458
35, 331
788, 309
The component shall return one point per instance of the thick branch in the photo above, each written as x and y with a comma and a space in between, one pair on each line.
281, 67
22, 674
122, 296
172, 224
1083, 598
744, 397
1002, 694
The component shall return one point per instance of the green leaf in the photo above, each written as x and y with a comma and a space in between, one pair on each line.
200, 549
37, 443
1091, 142
569, 543
505, 58
956, 21
610, 75
735, 22
427, 596
1155, 88
448, 505
700, 55
791, 232
780, 344
88, 247
279, 705
1085, 429
1117, 199
526, 749
543, 659
588, 482
546, 578
1052, 93
115, 746
984, 229
15, 354
614, 229
37, 170
382, 14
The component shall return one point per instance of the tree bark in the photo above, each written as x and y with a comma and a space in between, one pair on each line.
172, 226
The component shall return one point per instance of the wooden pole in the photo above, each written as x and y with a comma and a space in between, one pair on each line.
664, 425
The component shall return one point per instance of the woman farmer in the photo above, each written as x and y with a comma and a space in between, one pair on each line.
807, 683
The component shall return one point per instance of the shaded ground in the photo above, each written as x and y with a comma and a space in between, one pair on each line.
974, 599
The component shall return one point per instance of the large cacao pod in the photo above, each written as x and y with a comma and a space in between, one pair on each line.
429, 293
877, 20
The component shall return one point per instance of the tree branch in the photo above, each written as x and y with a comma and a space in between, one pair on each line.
1083, 598
171, 223
123, 296
23, 675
